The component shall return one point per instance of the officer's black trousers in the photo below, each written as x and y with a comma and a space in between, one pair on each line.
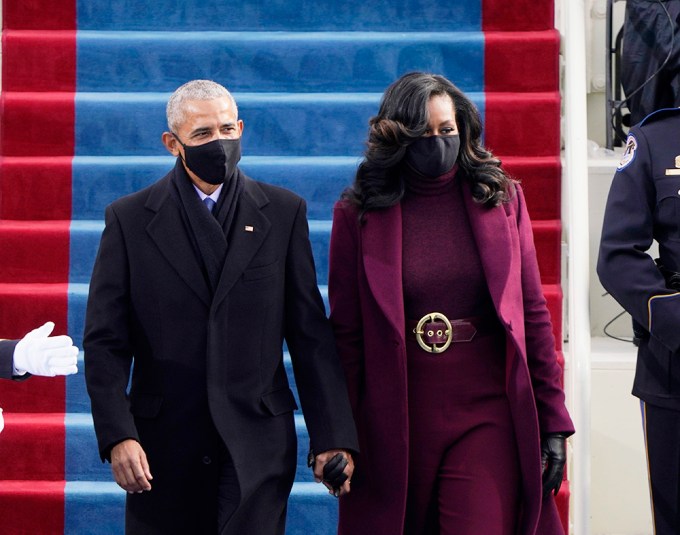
662, 438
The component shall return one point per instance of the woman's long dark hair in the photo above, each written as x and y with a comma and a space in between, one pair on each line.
402, 119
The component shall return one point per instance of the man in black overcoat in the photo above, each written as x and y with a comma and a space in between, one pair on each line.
198, 281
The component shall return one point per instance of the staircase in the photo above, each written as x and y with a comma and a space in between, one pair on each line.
84, 86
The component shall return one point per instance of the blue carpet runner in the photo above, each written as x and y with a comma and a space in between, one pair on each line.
84, 88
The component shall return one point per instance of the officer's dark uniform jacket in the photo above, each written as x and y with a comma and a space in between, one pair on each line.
644, 205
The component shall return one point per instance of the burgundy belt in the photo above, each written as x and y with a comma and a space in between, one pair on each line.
434, 332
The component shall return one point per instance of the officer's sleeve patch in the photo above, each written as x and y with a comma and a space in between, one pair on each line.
628, 153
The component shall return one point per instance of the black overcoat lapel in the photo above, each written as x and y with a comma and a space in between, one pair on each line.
169, 233
249, 230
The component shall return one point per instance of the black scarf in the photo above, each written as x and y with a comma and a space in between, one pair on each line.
209, 231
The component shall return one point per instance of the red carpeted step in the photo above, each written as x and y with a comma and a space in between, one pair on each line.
23, 307
518, 15
547, 236
34, 251
39, 15
23, 176
523, 124
36, 394
562, 501
37, 124
540, 178
553, 296
505, 61
39, 60
32, 446
32, 507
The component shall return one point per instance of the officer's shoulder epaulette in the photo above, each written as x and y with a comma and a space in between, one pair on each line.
659, 114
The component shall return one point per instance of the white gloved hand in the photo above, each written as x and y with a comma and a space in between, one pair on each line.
2, 422
38, 353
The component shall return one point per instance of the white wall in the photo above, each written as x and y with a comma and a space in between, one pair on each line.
619, 491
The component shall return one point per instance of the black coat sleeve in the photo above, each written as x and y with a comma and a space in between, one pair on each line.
108, 353
318, 373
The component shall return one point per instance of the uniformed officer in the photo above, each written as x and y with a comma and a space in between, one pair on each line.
644, 205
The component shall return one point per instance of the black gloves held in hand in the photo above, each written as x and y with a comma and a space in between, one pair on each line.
553, 459
333, 471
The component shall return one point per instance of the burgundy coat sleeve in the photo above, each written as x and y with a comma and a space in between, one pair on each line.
544, 370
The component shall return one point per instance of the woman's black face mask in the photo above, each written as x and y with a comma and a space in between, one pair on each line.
213, 162
433, 156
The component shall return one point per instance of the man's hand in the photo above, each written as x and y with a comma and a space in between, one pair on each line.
320, 462
130, 467
38, 353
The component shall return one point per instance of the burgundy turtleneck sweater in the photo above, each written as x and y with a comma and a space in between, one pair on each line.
442, 270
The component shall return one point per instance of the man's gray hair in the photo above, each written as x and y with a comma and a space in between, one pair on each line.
194, 90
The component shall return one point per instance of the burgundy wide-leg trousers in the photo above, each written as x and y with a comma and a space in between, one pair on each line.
464, 474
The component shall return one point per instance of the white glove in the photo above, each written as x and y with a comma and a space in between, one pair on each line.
39, 354
2, 422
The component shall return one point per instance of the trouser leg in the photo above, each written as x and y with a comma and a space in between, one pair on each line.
479, 480
662, 439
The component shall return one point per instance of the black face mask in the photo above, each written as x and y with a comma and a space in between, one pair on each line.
212, 162
433, 156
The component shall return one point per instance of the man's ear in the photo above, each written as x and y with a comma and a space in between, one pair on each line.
170, 143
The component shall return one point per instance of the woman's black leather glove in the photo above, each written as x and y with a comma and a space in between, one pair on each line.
553, 459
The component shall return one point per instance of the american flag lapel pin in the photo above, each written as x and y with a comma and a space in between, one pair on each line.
249, 228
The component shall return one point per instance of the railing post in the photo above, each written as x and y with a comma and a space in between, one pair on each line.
575, 218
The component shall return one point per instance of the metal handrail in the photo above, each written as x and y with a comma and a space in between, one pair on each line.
575, 215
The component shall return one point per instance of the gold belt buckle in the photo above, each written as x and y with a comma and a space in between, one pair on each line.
419, 331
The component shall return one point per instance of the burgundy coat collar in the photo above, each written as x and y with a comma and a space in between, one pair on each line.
490, 228
382, 254
381, 250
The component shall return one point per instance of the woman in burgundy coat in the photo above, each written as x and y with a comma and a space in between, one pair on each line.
443, 331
